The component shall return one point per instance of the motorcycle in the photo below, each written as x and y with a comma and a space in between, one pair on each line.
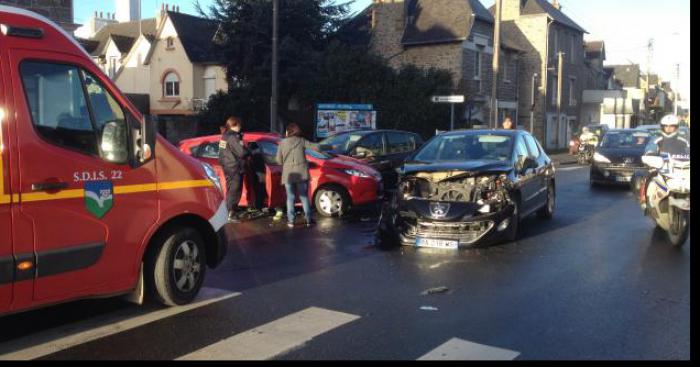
585, 153
666, 195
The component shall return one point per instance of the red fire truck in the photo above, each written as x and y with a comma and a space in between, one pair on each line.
92, 202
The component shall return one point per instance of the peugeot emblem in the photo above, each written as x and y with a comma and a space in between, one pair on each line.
629, 160
439, 210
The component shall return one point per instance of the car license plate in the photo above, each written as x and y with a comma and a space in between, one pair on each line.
623, 178
428, 242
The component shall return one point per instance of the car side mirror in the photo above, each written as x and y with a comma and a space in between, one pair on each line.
113, 142
146, 140
653, 161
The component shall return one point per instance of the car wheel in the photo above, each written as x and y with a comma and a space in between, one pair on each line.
547, 211
514, 226
332, 201
176, 266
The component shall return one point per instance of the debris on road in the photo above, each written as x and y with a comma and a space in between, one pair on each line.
436, 290
428, 308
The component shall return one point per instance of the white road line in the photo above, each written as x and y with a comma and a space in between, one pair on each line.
274, 338
571, 168
64, 337
457, 349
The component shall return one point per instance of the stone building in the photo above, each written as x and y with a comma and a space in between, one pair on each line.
60, 11
454, 35
545, 32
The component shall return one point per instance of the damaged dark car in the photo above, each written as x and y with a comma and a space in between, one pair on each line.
468, 188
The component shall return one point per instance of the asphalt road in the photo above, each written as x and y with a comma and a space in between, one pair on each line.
595, 282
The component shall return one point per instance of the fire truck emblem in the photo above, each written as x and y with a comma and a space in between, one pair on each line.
99, 197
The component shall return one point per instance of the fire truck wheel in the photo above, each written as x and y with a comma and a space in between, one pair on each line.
178, 266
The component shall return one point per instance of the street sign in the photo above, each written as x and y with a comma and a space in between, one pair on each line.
447, 99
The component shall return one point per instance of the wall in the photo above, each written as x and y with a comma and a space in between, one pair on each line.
60, 11
135, 77
163, 60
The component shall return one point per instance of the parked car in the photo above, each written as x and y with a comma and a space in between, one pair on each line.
385, 150
466, 188
619, 157
336, 185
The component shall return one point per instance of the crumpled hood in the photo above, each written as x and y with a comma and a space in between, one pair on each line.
475, 166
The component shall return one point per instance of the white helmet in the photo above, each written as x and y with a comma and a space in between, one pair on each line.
670, 120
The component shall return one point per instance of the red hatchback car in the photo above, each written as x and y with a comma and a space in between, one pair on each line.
337, 183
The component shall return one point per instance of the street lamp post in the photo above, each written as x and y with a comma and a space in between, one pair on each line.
275, 67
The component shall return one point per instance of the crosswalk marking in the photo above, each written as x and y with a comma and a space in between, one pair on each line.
458, 349
64, 337
274, 338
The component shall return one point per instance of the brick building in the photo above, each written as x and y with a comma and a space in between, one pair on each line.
545, 31
60, 11
454, 35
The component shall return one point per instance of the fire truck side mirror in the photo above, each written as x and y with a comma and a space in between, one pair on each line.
146, 140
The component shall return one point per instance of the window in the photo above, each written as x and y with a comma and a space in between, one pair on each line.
112, 67
269, 151
169, 43
477, 71
57, 104
110, 124
470, 146
520, 149
398, 143
532, 146
504, 69
555, 42
207, 150
171, 85
572, 51
370, 146
60, 112
572, 92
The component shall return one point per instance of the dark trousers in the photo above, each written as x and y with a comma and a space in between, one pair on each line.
234, 187
260, 192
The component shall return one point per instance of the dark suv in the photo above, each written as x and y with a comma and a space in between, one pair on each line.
384, 150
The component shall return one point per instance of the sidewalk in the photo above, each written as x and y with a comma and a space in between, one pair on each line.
563, 159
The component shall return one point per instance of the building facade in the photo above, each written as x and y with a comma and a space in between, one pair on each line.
453, 35
60, 11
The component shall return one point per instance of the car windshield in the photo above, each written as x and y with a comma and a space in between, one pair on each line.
627, 139
451, 148
596, 129
342, 142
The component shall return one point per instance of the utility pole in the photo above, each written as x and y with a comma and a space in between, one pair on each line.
560, 82
532, 104
275, 67
676, 95
496, 60
650, 56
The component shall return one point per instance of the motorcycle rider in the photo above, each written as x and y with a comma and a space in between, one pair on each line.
669, 143
588, 137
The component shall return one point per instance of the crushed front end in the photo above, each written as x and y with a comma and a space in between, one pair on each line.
448, 209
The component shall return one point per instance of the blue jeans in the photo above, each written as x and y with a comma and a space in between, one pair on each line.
303, 189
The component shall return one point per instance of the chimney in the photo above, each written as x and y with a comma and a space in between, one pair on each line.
167, 7
556, 4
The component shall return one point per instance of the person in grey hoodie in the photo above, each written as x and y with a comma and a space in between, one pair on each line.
291, 154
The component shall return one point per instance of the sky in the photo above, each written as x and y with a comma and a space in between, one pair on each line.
625, 25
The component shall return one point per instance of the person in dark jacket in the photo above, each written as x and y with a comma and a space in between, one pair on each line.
257, 165
291, 154
232, 156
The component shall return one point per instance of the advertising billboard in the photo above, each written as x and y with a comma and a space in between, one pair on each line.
335, 118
